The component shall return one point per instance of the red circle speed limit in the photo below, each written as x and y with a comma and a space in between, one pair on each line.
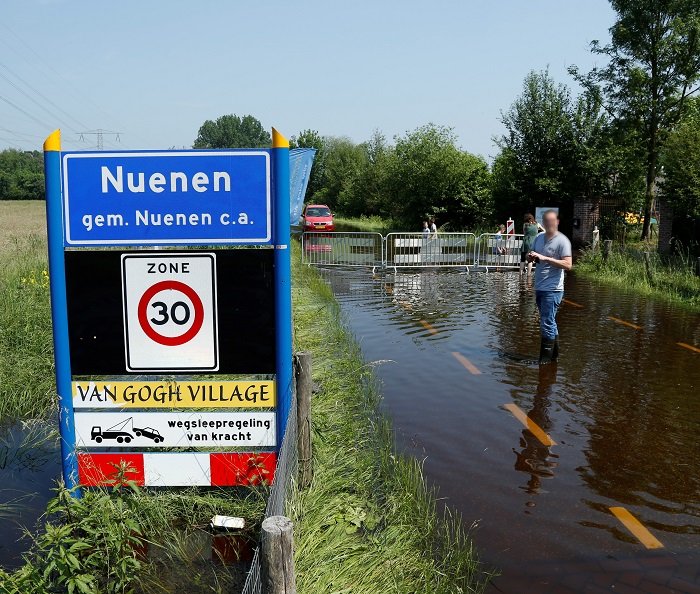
175, 313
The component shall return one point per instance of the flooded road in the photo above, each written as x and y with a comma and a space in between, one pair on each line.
613, 430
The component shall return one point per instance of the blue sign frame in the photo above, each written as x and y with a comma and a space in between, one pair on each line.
268, 191
167, 197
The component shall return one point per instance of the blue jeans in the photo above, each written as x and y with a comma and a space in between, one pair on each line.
548, 303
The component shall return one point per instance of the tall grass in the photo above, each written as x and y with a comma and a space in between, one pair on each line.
368, 523
365, 224
670, 279
26, 352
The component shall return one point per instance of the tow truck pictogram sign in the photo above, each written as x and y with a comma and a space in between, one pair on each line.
170, 312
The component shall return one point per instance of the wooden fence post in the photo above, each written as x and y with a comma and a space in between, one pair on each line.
607, 248
277, 561
303, 365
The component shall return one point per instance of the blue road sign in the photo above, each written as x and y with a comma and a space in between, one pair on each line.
167, 198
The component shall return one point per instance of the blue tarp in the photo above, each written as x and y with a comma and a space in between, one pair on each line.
300, 161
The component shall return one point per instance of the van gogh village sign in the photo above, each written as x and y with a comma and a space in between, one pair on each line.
158, 309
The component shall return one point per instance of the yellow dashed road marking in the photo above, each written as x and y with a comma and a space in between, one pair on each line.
533, 427
619, 321
636, 528
467, 363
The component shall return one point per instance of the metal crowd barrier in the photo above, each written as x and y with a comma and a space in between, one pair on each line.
342, 249
411, 250
418, 250
497, 250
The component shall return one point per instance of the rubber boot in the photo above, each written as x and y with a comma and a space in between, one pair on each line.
546, 350
555, 350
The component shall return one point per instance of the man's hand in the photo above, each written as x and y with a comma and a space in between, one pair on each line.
564, 263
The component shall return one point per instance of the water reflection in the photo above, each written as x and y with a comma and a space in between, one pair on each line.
29, 467
535, 458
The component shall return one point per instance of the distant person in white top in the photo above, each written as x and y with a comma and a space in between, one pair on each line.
426, 229
551, 251
433, 227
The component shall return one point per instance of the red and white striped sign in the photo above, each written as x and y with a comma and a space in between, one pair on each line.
510, 227
178, 469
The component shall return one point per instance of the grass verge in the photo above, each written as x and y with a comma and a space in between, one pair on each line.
373, 224
27, 386
368, 523
670, 280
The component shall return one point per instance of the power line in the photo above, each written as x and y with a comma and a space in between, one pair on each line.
41, 64
49, 101
29, 115
17, 133
28, 96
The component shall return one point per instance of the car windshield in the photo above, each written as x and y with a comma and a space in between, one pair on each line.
318, 211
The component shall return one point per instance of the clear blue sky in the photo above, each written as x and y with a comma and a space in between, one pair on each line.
154, 70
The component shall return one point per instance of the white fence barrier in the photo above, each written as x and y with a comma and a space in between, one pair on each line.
498, 250
342, 249
412, 250
416, 250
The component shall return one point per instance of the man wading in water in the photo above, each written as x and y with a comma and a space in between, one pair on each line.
551, 251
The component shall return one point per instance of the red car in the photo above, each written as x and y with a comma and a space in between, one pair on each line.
317, 217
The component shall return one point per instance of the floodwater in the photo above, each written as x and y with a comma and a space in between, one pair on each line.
616, 422
29, 467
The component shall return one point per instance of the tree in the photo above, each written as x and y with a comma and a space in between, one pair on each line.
342, 162
654, 63
681, 164
370, 187
538, 149
312, 139
558, 148
428, 175
21, 175
232, 131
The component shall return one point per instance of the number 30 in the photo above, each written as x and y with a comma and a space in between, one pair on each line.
165, 317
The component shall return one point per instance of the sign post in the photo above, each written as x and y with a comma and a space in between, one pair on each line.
59, 308
283, 279
131, 327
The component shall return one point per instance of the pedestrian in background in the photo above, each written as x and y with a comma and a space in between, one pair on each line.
498, 249
551, 251
530, 231
433, 227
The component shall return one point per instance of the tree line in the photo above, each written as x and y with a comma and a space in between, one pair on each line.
422, 174
21, 175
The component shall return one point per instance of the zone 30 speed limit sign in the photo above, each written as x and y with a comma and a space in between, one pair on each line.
170, 312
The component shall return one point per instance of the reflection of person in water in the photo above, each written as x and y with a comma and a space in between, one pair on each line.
535, 458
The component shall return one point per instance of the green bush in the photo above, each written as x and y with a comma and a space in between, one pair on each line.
87, 545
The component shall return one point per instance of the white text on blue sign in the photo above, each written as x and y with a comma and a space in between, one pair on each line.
174, 197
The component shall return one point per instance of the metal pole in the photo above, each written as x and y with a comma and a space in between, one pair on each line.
59, 307
283, 281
